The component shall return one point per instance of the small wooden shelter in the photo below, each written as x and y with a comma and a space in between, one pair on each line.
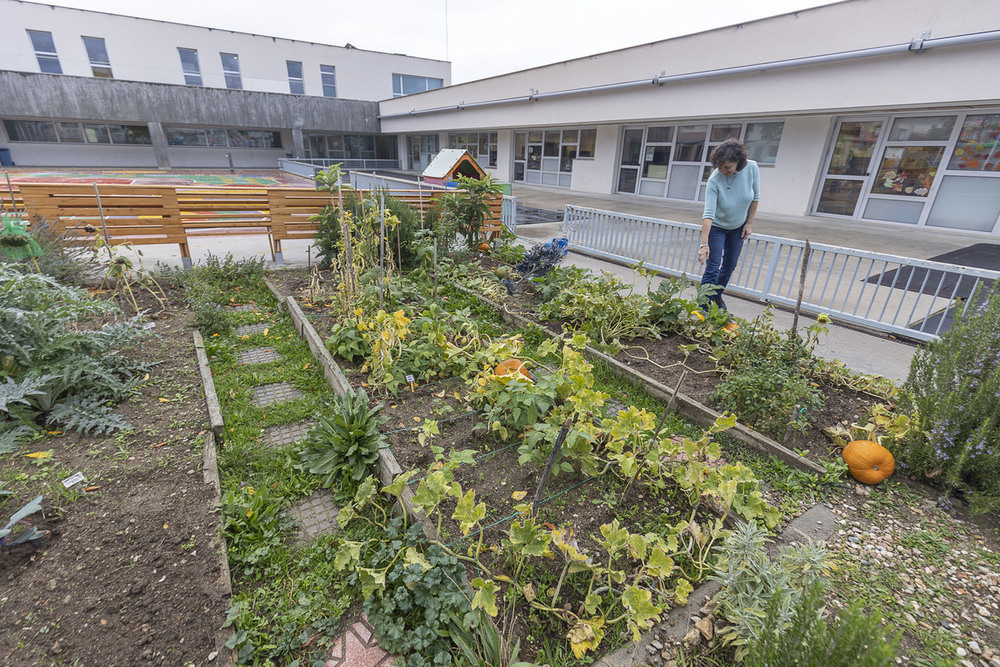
451, 163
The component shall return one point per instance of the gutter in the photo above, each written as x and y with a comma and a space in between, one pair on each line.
916, 46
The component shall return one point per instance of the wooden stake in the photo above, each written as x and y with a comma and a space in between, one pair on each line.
791, 427
802, 285
553, 455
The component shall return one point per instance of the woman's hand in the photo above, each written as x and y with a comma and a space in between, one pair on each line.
702, 254
746, 232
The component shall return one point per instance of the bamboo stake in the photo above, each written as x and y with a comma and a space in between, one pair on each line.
553, 455
802, 285
104, 224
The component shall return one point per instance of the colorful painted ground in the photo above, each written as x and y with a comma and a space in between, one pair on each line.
257, 177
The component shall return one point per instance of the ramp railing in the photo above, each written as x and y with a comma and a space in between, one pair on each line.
913, 298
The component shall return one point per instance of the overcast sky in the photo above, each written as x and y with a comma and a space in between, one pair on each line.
481, 39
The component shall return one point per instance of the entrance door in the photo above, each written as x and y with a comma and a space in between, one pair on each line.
849, 167
628, 171
423, 148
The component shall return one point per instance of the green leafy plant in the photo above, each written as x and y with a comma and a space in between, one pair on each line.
54, 373
855, 638
412, 592
345, 441
14, 534
954, 388
466, 210
759, 595
254, 524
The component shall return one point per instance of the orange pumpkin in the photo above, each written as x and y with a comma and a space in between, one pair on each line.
512, 366
484, 247
869, 462
732, 327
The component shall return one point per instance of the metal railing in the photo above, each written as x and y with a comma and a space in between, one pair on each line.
508, 213
917, 299
308, 167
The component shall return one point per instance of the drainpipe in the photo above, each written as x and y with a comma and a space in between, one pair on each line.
916, 46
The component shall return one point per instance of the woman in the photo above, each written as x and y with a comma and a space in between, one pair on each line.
730, 206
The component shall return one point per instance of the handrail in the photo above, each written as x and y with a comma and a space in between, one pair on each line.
914, 298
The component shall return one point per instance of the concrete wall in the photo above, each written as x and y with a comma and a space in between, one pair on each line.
146, 50
77, 98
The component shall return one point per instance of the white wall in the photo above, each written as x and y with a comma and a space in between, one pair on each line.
146, 50
907, 80
592, 175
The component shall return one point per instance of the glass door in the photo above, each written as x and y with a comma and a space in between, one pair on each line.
849, 166
628, 170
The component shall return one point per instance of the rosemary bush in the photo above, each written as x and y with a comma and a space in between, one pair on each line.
853, 639
954, 386
759, 594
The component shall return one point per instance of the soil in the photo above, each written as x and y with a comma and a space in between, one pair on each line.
132, 572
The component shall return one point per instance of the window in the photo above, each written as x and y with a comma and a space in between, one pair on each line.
328, 73
45, 51
231, 70
482, 146
404, 84
588, 141
97, 52
76, 133
190, 66
761, 141
350, 146
296, 84
978, 146
217, 137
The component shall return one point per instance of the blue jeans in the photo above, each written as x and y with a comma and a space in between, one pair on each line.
724, 247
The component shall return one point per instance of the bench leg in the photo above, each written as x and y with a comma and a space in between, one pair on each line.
276, 255
185, 256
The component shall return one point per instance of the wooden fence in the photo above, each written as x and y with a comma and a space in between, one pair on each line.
143, 215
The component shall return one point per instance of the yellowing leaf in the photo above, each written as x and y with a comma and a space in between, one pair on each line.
39, 455
306, 366
585, 636
519, 495
164, 400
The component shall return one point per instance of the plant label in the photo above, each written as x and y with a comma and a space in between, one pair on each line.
149, 325
410, 379
75, 478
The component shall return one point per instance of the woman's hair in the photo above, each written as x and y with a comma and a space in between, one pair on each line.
729, 150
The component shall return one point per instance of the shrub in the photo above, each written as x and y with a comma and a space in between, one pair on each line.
954, 386
769, 398
467, 209
854, 639
770, 373
760, 595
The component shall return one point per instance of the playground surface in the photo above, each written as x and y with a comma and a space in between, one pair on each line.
179, 177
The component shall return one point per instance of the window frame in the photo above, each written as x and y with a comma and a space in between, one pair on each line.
232, 75
95, 48
329, 85
192, 77
296, 84
398, 80
43, 55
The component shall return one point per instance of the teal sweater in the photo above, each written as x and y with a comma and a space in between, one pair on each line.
727, 200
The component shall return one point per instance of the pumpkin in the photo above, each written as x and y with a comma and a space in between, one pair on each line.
732, 327
511, 366
484, 247
869, 462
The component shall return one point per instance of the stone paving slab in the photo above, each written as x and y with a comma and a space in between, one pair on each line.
248, 329
279, 392
286, 434
243, 308
317, 515
258, 355
358, 648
